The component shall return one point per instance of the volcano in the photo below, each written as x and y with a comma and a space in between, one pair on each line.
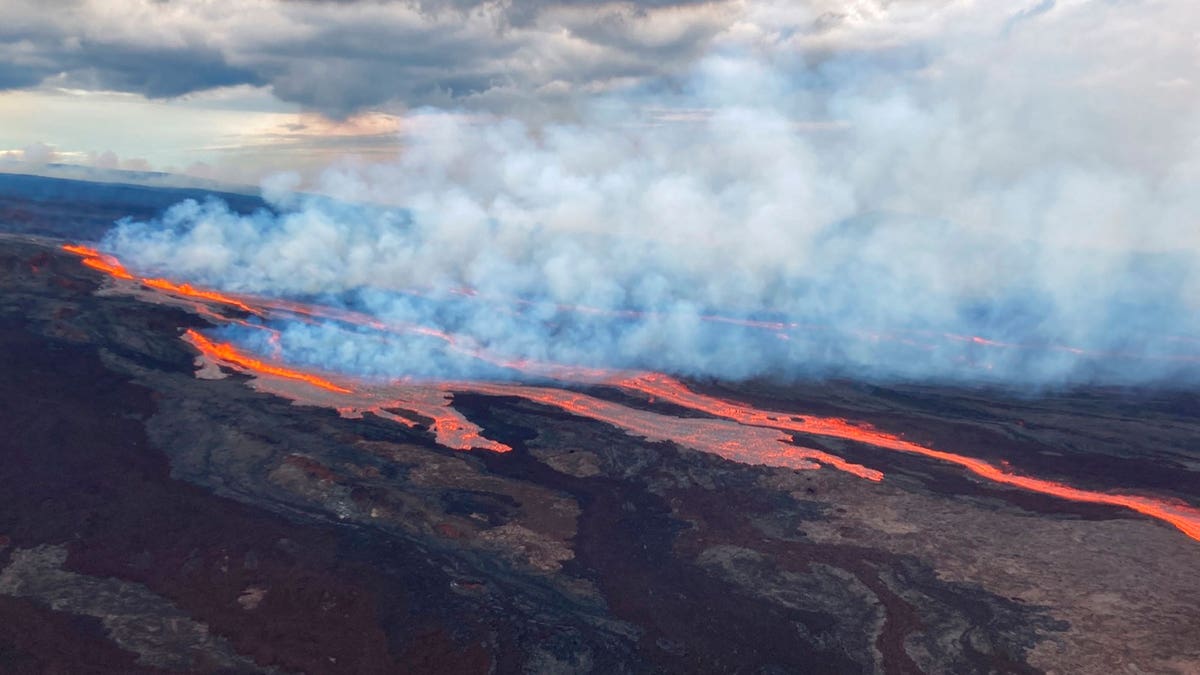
173, 501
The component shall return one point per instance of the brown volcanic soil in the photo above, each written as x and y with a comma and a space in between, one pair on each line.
151, 520
79, 471
35, 639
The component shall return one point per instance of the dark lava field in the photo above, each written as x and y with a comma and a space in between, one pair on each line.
155, 522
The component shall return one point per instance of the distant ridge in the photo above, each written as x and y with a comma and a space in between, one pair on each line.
124, 176
84, 210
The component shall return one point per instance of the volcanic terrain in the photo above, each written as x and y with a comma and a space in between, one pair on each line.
170, 502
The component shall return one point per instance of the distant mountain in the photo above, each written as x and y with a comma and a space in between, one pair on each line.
84, 210
124, 176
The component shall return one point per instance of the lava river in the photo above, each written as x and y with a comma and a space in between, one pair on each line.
732, 430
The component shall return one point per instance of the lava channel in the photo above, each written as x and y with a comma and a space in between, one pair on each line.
658, 386
740, 432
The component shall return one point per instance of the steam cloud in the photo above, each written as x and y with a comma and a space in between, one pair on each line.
999, 179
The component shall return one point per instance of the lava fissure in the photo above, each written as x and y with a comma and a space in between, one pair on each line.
735, 431
225, 352
1183, 516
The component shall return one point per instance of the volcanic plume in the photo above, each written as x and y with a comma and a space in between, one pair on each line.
903, 240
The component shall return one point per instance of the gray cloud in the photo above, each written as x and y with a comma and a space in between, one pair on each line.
154, 72
338, 57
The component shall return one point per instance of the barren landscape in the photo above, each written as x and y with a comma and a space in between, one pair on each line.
170, 507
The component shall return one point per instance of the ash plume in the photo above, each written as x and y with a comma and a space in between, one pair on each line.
1005, 204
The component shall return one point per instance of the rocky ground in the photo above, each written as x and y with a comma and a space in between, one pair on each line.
151, 521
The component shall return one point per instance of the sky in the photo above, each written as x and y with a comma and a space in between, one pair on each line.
196, 86
188, 85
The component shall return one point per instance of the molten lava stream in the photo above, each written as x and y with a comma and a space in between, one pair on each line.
738, 443
733, 441
465, 346
190, 291
110, 265
657, 386
225, 352
113, 267
450, 427
99, 261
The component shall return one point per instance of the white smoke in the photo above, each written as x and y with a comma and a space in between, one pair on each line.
1026, 178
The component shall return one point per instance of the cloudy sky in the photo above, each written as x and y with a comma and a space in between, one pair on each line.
239, 89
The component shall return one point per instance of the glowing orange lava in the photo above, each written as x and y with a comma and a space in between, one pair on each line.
404, 404
719, 437
400, 404
111, 266
733, 430
1184, 517
191, 291
99, 261
226, 352
454, 431
80, 250
455, 343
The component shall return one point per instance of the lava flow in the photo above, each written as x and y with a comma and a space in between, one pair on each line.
723, 438
658, 386
407, 405
226, 352
191, 291
732, 430
99, 261
113, 267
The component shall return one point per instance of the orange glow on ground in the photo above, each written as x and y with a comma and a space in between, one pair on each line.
740, 432
405, 404
82, 251
1184, 517
732, 441
226, 352
107, 267
400, 404
111, 266
191, 291
99, 261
